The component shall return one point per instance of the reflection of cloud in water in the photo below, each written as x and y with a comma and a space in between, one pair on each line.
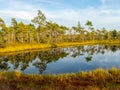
63, 60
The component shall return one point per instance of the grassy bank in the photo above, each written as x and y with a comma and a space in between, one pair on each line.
93, 80
22, 47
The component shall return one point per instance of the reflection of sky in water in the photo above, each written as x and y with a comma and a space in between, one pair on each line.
75, 61
69, 64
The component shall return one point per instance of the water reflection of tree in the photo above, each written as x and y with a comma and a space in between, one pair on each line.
46, 57
89, 51
88, 58
3, 64
21, 61
114, 48
41, 66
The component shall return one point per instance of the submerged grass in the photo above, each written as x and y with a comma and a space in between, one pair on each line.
98, 79
22, 47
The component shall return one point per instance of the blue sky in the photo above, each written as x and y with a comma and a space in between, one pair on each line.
103, 13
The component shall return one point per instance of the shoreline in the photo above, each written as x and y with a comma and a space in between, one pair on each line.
25, 47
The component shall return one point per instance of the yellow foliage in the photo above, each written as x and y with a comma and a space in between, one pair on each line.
22, 47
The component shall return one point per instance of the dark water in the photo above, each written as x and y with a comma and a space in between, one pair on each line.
63, 60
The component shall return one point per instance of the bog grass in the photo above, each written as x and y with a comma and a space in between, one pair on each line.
22, 47
98, 79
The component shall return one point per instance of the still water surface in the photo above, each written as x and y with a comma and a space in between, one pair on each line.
62, 60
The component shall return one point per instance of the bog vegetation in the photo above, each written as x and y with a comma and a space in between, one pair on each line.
93, 80
43, 31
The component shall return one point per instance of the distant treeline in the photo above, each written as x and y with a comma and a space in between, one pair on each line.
41, 30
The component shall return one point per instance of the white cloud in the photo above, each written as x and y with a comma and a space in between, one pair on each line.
108, 18
17, 5
17, 14
49, 1
103, 1
112, 3
101, 17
